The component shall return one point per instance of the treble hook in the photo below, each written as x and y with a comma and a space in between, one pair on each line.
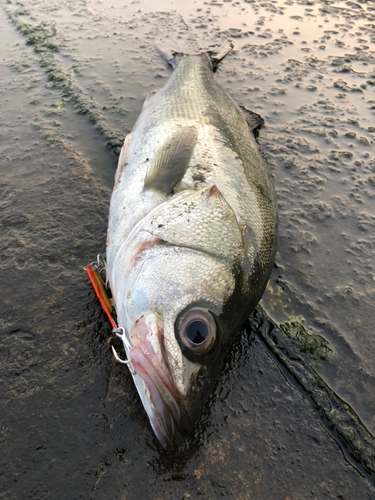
120, 332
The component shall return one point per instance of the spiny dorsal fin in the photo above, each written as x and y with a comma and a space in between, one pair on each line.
253, 120
172, 160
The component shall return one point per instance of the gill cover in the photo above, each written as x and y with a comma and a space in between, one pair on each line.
198, 220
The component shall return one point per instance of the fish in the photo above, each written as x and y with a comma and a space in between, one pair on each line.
192, 235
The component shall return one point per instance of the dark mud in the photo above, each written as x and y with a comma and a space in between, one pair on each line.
293, 411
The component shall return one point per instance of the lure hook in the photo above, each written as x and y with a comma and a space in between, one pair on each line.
120, 332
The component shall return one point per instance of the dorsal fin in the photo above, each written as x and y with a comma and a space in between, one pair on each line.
172, 160
254, 121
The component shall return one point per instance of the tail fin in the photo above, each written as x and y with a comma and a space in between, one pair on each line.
171, 50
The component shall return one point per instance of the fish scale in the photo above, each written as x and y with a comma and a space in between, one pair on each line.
192, 94
191, 239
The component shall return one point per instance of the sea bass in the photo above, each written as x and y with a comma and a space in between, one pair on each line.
191, 237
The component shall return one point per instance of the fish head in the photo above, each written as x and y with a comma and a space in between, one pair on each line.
178, 288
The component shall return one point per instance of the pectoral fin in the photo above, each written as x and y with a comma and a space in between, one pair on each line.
172, 160
123, 160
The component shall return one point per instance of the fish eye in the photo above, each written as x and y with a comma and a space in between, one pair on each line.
197, 330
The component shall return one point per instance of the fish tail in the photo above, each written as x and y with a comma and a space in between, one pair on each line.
172, 50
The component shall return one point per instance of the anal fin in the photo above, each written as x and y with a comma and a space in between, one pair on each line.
172, 160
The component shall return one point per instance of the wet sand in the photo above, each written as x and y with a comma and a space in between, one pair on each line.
73, 80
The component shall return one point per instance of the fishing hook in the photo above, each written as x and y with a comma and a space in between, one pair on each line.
120, 332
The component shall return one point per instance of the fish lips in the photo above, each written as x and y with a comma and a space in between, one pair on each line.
154, 382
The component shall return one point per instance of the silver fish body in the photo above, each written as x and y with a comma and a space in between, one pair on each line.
191, 240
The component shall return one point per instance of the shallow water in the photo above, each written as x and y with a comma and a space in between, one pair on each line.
74, 76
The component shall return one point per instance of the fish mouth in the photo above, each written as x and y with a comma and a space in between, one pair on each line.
154, 382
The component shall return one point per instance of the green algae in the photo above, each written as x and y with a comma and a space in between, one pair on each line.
43, 37
338, 417
39, 35
312, 345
